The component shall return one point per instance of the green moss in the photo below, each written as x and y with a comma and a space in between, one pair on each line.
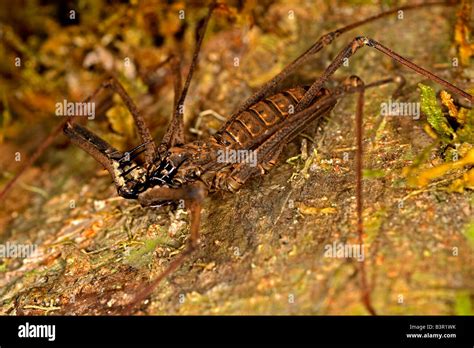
434, 113
463, 304
466, 133
373, 173
469, 232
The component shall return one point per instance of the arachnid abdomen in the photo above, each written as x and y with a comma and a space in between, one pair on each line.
259, 120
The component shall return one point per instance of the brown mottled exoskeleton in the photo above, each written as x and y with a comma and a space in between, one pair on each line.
263, 125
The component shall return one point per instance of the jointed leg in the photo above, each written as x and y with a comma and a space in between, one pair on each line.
271, 86
292, 126
365, 288
272, 146
193, 196
175, 133
143, 130
42, 147
177, 80
350, 49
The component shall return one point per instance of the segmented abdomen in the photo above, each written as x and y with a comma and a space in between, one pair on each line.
259, 118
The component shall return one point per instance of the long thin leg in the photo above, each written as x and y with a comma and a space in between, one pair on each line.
291, 127
177, 82
271, 86
193, 196
175, 133
359, 157
42, 147
365, 289
265, 90
143, 130
352, 85
38, 152
350, 49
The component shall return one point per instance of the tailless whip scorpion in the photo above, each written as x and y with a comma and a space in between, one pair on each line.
176, 170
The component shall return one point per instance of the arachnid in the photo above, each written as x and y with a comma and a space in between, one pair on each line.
259, 129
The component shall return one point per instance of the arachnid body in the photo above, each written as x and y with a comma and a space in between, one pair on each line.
176, 170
